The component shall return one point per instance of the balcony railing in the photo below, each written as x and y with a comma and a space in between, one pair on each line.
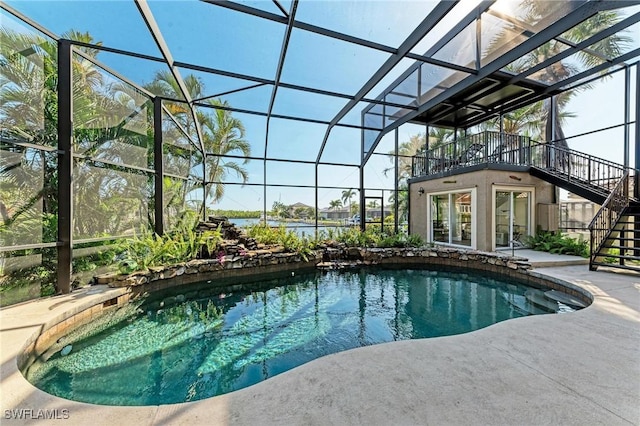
490, 147
479, 148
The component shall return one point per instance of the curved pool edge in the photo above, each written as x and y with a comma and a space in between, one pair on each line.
442, 380
44, 342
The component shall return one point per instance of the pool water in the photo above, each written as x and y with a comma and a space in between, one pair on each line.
182, 350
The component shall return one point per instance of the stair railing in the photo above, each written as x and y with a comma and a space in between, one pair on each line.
577, 166
606, 218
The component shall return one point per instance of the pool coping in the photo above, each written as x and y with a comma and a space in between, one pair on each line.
568, 369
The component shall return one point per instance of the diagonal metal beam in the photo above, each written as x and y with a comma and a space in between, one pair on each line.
152, 25
330, 33
283, 55
229, 92
579, 46
300, 25
281, 84
414, 38
29, 21
582, 12
282, 9
113, 72
463, 23
457, 28
562, 55
619, 60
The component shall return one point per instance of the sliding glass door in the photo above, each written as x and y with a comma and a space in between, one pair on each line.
451, 218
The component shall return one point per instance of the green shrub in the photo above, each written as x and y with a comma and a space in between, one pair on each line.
280, 235
555, 242
354, 237
371, 237
401, 240
181, 245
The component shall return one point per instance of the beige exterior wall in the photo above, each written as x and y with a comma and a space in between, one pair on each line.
482, 183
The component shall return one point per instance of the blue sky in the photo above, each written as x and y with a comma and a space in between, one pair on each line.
219, 38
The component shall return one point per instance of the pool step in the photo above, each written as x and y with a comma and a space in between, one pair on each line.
561, 297
522, 304
538, 298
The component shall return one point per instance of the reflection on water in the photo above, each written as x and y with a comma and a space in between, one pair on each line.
178, 350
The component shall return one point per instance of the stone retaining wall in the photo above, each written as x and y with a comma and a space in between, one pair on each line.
275, 259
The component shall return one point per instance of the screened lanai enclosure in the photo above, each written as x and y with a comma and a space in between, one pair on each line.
119, 117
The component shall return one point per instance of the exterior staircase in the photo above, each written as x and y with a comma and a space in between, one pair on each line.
614, 230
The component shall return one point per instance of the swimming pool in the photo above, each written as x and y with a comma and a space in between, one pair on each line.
176, 349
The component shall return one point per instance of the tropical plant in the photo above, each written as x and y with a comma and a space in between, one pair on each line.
401, 240
183, 244
222, 134
354, 237
555, 242
372, 204
335, 204
280, 235
347, 195
536, 117
280, 210
403, 200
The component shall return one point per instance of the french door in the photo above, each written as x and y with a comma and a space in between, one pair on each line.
512, 217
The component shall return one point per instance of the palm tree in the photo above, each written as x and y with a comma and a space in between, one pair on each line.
403, 200
335, 204
538, 115
222, 133
416, 145
347, 195
28, 111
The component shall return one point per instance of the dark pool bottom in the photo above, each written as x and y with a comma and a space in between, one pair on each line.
182, 350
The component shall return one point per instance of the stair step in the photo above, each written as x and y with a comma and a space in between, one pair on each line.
537, 298
613, 265
619, 256
561, 297
523, 305
622, 247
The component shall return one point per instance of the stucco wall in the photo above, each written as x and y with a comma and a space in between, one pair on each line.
483, 181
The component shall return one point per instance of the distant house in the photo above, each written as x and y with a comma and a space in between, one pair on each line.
374, 213
300, 207
329, 213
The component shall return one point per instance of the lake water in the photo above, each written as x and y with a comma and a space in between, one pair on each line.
301, 228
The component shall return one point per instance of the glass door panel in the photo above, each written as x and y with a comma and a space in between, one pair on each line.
461, 221
520, 220
440, 215
503, 216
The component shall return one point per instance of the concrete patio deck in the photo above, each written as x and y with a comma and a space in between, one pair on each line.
581, 368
